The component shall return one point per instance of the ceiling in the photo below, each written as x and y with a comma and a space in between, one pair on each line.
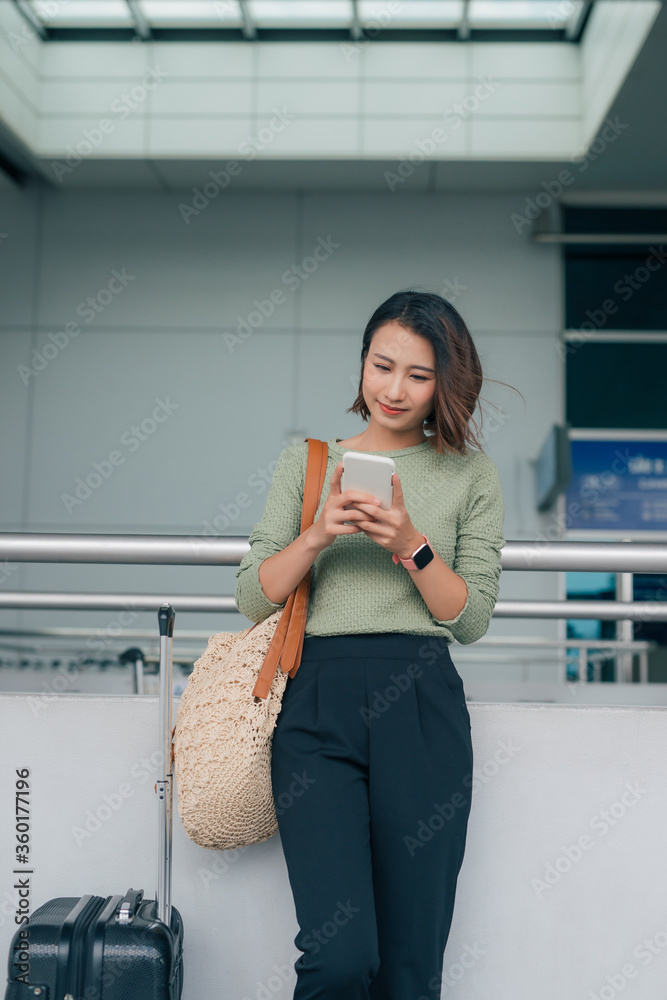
636, 163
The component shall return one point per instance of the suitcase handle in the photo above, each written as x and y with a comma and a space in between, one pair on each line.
128, 905
165, 617
164, 784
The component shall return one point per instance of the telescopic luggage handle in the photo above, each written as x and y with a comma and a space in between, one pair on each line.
164, 784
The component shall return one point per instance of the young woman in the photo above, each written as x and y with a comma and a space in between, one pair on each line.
372, 753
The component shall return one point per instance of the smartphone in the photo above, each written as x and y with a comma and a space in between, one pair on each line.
368, 474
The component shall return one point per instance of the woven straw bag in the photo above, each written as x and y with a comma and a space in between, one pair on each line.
221, 742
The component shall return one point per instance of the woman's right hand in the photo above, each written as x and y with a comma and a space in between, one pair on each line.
336, 510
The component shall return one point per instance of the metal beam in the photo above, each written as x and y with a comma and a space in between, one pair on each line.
463, 31
620, 238
228, 550
141, 25
29, 15
355, 26
61, 601
576, 21
585, 557
166, 550
249, 27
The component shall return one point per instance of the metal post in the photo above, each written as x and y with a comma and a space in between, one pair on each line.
135, 659
624, 628
163, 786
583, 665
139, 675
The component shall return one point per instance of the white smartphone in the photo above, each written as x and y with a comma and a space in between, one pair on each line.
368, 474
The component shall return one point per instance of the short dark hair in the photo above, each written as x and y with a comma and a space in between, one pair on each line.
458, 379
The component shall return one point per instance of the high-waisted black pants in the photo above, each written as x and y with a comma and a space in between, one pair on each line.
372, 776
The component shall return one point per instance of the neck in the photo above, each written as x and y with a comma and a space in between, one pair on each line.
377, 438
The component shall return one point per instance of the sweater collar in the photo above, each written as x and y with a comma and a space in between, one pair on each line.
414, 449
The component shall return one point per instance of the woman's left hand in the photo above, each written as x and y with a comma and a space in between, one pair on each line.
392, 529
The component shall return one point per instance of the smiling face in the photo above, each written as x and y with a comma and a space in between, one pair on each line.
399, 372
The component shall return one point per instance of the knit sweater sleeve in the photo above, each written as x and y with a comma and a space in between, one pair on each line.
477, 559
279, 525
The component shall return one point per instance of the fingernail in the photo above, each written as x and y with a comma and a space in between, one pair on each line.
376, 500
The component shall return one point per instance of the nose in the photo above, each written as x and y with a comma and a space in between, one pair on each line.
394, 391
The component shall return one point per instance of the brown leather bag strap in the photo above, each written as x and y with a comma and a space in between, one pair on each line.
289, 659
287, 641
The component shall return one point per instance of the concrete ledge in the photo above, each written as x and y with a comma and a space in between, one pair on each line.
561, 893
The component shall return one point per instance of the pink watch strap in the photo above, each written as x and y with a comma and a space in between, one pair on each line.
409, 563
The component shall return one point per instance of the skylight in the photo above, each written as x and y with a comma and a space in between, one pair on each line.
561, 19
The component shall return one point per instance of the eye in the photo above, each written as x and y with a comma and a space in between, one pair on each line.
420, 378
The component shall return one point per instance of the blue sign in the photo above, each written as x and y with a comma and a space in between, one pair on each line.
617, 485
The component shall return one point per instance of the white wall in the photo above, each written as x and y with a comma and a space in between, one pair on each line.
164, 336
529, 920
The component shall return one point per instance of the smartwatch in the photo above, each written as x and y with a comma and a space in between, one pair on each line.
420, 557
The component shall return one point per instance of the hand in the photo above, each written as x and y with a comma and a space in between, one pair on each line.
392, 529
330, 522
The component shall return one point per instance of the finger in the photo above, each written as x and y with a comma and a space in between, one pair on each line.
398, 489
350, 495
370, 528
334, 482
370, 508
349, 515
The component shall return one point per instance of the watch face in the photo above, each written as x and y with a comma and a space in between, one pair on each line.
423, 556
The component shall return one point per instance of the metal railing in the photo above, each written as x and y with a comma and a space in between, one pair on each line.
228, 550
621, 557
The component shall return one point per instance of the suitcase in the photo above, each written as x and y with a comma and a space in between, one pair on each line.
118, 947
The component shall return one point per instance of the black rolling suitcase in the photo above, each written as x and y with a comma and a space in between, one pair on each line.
122, 947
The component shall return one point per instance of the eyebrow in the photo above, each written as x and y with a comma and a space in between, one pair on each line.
421, 367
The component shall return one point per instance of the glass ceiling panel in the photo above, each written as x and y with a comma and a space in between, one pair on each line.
192, 13
301, 13
416, 14
519, 13
296, 14
84, 13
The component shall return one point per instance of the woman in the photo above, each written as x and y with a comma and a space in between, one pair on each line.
372, 753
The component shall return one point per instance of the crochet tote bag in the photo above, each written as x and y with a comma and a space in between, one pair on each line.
221, 742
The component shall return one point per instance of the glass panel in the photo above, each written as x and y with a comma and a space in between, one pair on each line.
616, 385
520, 13
594, 587
197, 13
430, 14
417, 14
84, 13
301, 13
616, 289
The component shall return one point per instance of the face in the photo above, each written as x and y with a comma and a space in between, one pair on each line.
399, 371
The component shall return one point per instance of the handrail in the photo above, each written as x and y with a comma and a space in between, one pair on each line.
64, 601
228, 550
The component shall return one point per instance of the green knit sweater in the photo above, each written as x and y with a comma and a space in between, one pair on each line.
456, 500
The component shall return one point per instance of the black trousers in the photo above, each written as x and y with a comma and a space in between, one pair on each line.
372, 779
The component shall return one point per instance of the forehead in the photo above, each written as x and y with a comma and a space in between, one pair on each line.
401, 344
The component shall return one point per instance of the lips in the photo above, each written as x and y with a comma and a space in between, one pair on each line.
392, 409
